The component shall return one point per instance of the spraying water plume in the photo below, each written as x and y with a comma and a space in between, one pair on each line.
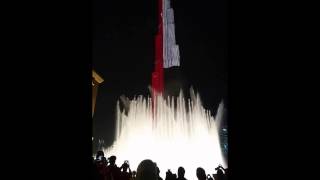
177, 132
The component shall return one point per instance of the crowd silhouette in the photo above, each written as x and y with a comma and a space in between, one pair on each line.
106, 169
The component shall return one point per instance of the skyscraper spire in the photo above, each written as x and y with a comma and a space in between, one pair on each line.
166, 49
171, 56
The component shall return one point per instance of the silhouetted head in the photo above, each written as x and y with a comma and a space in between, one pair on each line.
220, 173
112, 160
181, 172
158, 170
134, 173
147, 170
174, 176
201, 174
99, 153
209, 177
125, 166
226, 171
104, 160
168, 174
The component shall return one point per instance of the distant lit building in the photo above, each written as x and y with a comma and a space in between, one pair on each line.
224, 140
96, 80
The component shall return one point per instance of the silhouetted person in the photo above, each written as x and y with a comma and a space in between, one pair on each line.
147, 170
134, 175
209, 177
220, 174
101, 167
95, 173
104, 160
99, 154
112, 160
170, 175
113, 171
158, 173
226, 173
174, 177
201, 174
124, 175
181, 173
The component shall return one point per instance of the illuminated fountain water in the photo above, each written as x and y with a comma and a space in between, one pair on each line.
180, 132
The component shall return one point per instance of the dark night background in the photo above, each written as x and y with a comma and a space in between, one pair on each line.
50, 49
123, 53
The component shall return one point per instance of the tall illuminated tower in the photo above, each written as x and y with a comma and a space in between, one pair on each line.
166, 49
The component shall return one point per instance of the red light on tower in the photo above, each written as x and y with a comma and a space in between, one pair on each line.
166, 49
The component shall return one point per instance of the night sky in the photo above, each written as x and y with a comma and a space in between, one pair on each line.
123, 52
